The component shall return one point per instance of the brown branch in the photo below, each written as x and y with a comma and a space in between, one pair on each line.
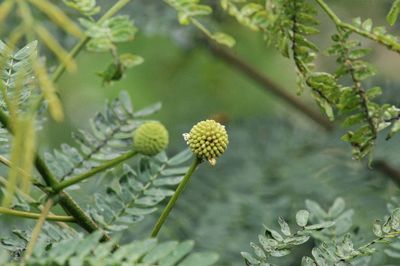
267, 84
385, 168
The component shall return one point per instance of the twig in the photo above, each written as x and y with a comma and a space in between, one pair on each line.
69, 182
267, 84
394, 46
174, 198
32, 215
386, 168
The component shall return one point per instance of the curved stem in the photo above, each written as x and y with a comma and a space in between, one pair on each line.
172, 201
392, 45
67, 183
32, 215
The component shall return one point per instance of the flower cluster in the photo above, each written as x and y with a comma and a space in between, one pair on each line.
150, 138
208, 140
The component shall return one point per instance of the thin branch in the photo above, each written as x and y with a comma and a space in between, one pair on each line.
394, 46
32, 215
241, 65
79, 178
29, 199
174, 198
384, 167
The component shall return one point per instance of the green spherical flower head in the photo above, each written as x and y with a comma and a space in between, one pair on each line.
150, 138
208, 140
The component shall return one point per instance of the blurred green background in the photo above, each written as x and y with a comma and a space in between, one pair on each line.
277, 157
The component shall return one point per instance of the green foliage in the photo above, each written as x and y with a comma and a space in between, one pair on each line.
110, 135
104, 36
394, 13
190, 10
334, 244
287, 24
89, 251
252, 15
272, 165
85, 7
136, 193
223, 211
18, 80
15, 245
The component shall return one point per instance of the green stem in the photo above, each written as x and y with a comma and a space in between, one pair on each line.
79, 46
392, 45
67, 183
329, 12
81, 218
32, 215
44, 171
172, 201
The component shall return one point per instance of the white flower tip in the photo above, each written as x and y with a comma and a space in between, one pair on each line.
212, 161
186, 136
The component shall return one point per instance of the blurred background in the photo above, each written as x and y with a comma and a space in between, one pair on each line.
277, 158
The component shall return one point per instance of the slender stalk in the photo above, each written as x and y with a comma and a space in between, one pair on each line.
172, 201
69, 182
79, 46
32, 215
38, 228
394, 46
329, 11
29, 199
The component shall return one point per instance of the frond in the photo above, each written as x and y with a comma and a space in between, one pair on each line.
18, 82
275, 244
136, 193
109, 137
89, 251
15, 244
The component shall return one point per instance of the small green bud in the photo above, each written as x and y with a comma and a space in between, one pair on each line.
150, 138
208, 140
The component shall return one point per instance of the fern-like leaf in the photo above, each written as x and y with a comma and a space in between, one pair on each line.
51, 233
110, 136
89, 251
17, 67
136, 193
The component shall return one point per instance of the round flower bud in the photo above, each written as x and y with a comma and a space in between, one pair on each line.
208, 140
150, 138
